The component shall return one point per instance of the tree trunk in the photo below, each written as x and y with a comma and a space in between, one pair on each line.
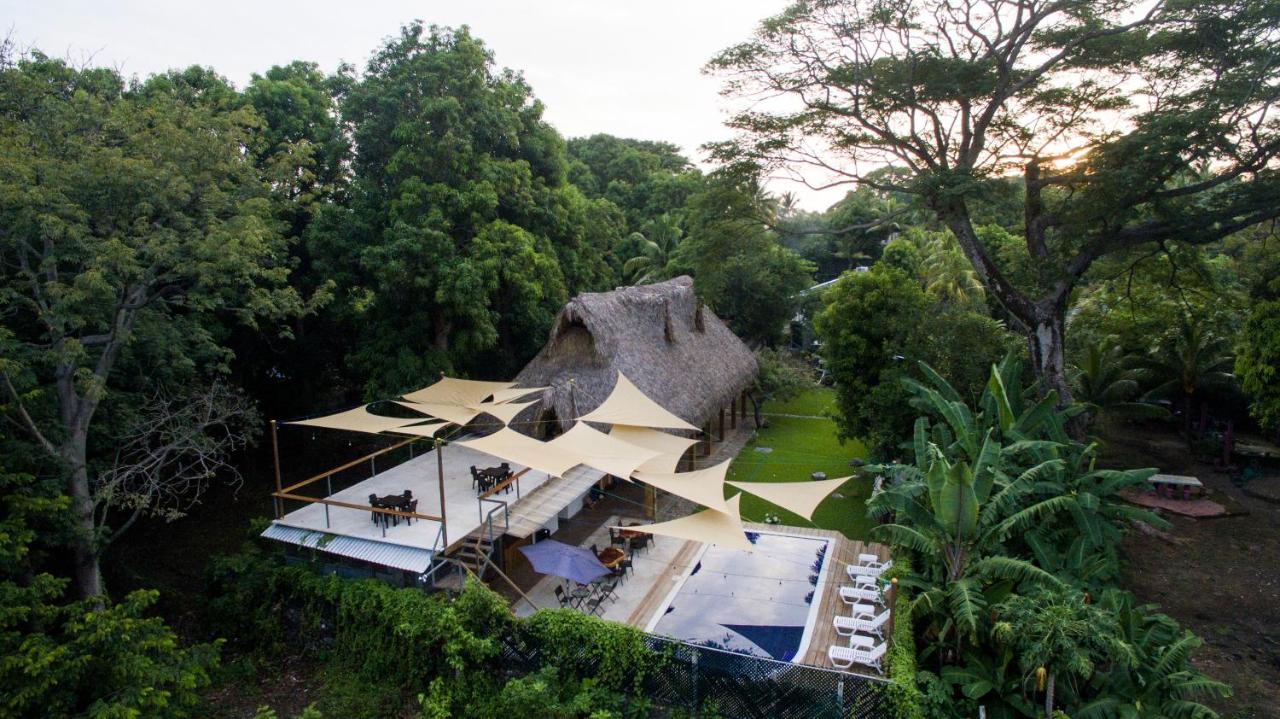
88, 572
1048, 698
755, 408
1047, 348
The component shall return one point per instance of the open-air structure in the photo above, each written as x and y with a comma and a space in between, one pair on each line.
468, 477
671, 352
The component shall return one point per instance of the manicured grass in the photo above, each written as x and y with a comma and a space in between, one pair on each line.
802, 445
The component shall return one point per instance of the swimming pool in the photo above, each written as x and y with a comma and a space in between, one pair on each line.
758, 603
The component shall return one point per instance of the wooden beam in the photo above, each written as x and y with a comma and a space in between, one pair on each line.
722, 424
348, 465
733, 414
275, 451
505, 483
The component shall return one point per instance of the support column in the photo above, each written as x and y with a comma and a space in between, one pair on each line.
275, 452
722, 424
733, 414
444, 529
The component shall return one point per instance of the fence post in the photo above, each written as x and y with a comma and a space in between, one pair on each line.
840, 698
697, 702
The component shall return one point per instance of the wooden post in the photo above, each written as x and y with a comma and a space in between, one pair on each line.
444, 529
722, 424
742, 404
733, 414
275, 451
650, 502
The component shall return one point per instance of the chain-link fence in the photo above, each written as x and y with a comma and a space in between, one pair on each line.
728, 684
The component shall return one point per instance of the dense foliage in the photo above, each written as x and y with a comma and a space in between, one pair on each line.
382, 647
1012, 534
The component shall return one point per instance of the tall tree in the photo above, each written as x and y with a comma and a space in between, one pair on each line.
1129, 124
134, 221
464, 235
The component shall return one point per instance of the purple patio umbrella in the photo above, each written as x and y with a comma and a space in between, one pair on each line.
563, 560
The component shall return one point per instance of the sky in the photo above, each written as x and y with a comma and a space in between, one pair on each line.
631, 69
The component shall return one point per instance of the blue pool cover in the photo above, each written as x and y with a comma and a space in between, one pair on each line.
753, 603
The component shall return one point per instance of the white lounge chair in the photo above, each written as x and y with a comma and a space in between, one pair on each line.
855, 595
848, 626
857, 610
863, 570
868, 655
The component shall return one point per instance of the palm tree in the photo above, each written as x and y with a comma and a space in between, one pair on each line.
1107, 382
948, 275
1190, 364
658, 242
1159, 682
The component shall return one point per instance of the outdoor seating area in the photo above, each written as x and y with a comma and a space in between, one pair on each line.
485, 480
868, 616
403, 502
585, 577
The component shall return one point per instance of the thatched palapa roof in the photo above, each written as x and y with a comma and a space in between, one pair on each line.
660, 336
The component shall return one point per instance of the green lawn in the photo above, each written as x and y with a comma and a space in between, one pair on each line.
803, 444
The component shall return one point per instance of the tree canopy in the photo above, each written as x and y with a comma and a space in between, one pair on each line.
1128, 125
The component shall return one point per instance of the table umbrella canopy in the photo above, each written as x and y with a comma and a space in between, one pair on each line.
564, 560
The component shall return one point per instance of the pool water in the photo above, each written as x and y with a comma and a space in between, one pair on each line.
758, 603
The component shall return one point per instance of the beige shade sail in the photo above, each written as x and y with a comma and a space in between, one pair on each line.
505, 412
447, 412
524, 450
626, 404
429, 429
359, 419
602, 451
709, 525
703, 486
799, 497
670, 447
457, 392
506, 395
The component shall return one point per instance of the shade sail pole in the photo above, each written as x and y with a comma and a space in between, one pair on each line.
275, 451
444, 518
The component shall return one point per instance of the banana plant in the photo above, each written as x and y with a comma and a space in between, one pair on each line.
955, 518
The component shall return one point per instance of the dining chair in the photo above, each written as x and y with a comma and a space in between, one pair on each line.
413, 507
373, 502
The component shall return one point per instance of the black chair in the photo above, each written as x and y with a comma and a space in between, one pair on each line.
593, 604
560, 596
407, 495
413, 507
609, 588
475, 476
615, 538
595, 550
373, 502
625, 566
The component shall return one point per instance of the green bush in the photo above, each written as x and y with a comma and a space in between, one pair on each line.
379, 645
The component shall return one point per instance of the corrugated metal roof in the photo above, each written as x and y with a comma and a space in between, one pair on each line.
399, 556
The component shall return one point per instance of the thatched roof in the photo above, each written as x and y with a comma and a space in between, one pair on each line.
660, 336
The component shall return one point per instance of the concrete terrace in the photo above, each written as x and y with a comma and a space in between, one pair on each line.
463, 512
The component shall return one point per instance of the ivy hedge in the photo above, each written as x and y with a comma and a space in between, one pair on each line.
903, 692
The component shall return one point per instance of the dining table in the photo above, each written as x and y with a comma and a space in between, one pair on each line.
611, 556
